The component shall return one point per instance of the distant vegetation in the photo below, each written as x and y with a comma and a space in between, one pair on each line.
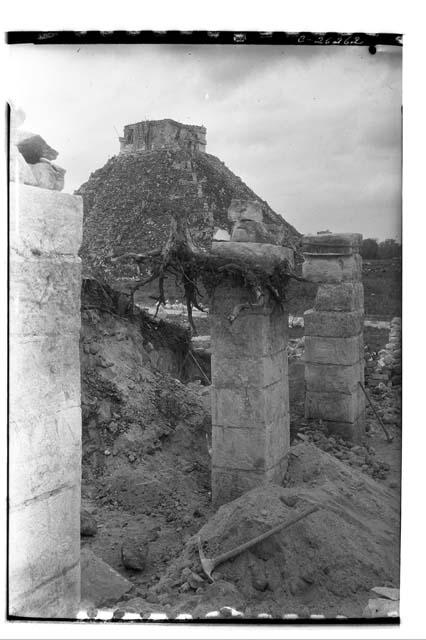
373, 250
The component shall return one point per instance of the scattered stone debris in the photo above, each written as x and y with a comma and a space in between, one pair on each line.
385, 366
362, 456
333, 554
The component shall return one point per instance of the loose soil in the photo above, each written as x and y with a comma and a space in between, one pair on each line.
146, 474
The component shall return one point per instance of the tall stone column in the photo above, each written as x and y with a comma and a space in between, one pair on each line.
250, 396
334, 347
45, 415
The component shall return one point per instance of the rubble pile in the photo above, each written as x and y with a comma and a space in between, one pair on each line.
128, 205
339, 552
361, 456
385, 365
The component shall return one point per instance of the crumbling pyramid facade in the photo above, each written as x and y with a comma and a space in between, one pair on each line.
161, 170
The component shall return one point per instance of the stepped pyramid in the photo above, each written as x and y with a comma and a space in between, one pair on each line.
162, 168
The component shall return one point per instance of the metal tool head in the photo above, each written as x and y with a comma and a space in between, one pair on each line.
206, 564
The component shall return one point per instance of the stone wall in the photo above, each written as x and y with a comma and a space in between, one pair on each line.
250, 395
45, 415
334, 349
162, 134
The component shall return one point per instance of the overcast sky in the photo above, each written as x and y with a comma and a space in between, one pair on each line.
315, 131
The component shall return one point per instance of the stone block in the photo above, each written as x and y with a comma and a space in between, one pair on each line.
277, 441
260, 254
45, 296
277, 472
100, 583
33, 147
250, 335
333, 406
249, 407
239, 448
354, 431
59, 597
44, 376
44, 452
276, 398
243, 372
44, 221
228, 484
343, 351
333, 324
332, 244
332, 269
236, 408
44, 542
331, 377
19, 170
48, 175
346, 296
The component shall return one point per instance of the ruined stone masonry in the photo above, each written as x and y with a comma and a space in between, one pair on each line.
250, 394
334, 348
45, 414
151, 135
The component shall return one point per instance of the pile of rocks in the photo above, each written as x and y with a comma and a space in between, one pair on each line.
296, 348
362, 455
386, 366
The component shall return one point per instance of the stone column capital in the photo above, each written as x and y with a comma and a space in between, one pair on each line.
332, 244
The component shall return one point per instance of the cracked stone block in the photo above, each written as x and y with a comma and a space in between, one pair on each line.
44, 554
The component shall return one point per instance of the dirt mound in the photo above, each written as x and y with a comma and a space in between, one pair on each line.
146, 466
128, 205
329, 560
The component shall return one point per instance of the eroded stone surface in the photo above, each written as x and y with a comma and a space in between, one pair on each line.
45, 414
332, 269
48, 175
334, 349
250, 403
333, 324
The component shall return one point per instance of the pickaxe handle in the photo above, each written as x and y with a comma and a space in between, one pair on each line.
389, 438
214, 562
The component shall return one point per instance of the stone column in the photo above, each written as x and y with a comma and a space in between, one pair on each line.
250, 396
334, 348
45, 416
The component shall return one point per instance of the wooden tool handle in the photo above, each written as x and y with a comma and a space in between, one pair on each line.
246, 545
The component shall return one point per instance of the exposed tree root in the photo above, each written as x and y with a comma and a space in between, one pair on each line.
189, 264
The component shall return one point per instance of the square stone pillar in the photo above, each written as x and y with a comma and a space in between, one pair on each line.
334, 346
250, 394
45, 414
